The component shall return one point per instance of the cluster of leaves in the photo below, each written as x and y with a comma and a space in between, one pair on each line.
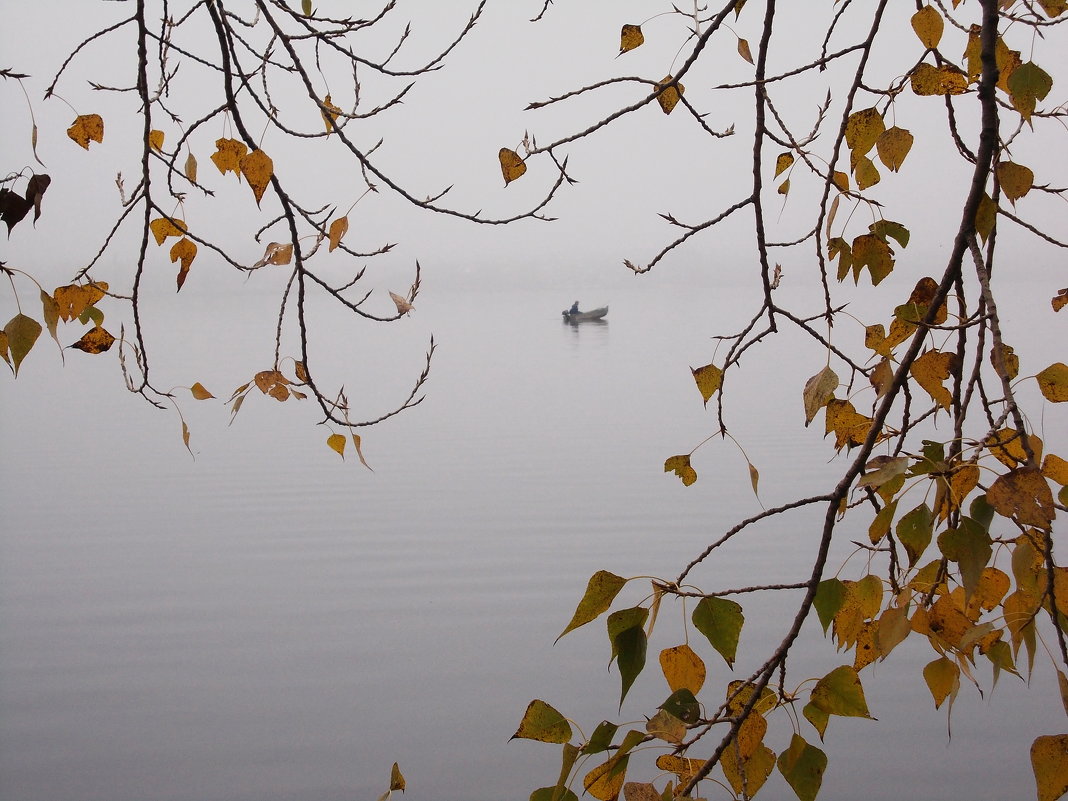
960, 547
247, 64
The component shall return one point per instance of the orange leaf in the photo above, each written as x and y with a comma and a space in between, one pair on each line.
87, 128
162, 228
630, 37
155, 140
186, 250
512, 166
338, 229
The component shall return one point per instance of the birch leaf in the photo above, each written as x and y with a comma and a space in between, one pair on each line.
191, 167
803, 765
928, 80
162, 228
87, 128
1028, 84
357, 443
338, 229
258, 169
199, 392
396, 779
512, 166
863, 129
783, 162
601, 590
819, 389
683, 668
543, 723
630, 37
330, 115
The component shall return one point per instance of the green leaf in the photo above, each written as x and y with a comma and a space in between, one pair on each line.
840, 693
624, 619
22, 333
601, 738
914, 531
600, 592
888, 229
683, 705
819, 718
803, 765
306, 7
830, 595
1028, 84
543, 723
630, 646
551, 794
720, 620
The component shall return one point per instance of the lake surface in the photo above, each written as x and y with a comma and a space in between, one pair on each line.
266, 622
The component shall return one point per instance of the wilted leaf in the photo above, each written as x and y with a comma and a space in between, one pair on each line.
743, 50
228, 154
191, 167
1049, 760
258, 169
74, 299
630, 37
1025, 495
946, 79
1053, 382
665, 726
155, 140
357, 444
681, 466
668, 96
95, 340
819, 389
928, 24
930, 370
13, 208
1016, 180
199, 392
402, 304
803, 765
186, 250
882, 469
601, 590
273, 383
893, 145
512, 166
87, 128
709, 379
720, 620
329, 114
276, 253
396, 779
162, 227
543, 723
683, 668
338, 229
849, 426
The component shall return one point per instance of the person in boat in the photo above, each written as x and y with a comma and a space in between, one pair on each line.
574, 308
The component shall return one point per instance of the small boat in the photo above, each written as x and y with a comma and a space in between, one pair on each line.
584, 316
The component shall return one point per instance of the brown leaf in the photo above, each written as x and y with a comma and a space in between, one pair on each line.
946, 79
95, 340
630, 37
199, 392
403, 306
87, 128
1025, 495
184, 249
191, 168
743, 50
668, 96
275, 253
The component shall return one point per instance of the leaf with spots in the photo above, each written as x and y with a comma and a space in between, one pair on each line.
87, 128
630, 37
96, 340
258, 170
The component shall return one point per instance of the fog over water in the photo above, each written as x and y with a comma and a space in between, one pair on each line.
266, 622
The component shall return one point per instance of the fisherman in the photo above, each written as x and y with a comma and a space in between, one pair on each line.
574, 308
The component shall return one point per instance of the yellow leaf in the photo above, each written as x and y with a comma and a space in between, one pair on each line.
783, 162
882, 377
784, 187
186, 250
873, 252
840, 180
849, 426
1054, 8
683, 668
893, 145
866, 173
606, 780
682, 767
330, 114
87, 128
402, 304
709, 379
155, 140
748, 774
1053, 382
680, 465
199, 392
630, 37
337, 442
162, 228
512, 166
665, 726
1049, 760
930, 370
74, 299
228, 154
191, 168
928, 24
95, 340
754, 478
743, 50
1060, 300
946, 79
258, 169
1055, 469
863, 129
668, 96
20, 334
338, 229
1016, 180
943, 679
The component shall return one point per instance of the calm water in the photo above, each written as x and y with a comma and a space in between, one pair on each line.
267, 623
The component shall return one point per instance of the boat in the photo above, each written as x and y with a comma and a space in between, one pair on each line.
585, 316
